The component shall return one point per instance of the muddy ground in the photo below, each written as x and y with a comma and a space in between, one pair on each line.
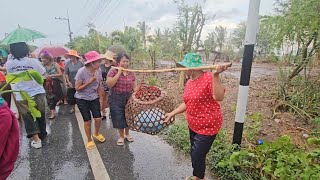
262, 99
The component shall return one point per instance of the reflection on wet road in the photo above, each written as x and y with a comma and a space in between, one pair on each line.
63, 155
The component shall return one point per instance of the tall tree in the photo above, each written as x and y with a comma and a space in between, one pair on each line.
191, 20
94, 40
221, 33
238, 35
130, 38
297, 24
143, 29
210, 43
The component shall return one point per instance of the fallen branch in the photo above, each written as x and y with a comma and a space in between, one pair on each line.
175, 69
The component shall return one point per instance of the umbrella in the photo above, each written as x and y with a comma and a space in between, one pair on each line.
3, 52
53, 50
22, 35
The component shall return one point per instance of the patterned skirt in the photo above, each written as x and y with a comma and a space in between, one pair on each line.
117, 104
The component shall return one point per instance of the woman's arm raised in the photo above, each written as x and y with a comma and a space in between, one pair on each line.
112, 81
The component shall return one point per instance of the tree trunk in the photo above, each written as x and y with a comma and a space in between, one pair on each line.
301, 65
201, 26
305, 57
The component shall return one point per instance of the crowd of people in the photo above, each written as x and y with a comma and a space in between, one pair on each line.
100, 87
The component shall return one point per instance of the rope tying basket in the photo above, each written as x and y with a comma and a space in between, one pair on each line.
146, 110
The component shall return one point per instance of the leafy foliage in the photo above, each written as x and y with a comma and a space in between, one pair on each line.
272, 160
154, 81
296, 27
301, 96
252, 129
25, 76
94, 41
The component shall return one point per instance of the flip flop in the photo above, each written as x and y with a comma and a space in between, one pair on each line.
72, 111
59, 103
99, 137
120, 142
90, 145
129, 139
190, 178
52, 117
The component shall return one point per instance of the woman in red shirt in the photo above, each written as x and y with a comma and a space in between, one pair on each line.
201, 95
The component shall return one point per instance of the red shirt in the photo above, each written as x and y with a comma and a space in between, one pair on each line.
61, 64
203, 111
2, 77
124, 83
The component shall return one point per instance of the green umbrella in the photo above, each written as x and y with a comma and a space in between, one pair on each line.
22, 35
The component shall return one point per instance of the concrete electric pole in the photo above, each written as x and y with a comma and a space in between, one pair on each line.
250, 41
68, 20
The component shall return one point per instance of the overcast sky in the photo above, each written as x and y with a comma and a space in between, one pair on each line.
108, 15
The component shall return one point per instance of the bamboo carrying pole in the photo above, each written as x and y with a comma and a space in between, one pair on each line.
177, 69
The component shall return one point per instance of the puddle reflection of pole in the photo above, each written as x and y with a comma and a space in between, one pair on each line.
250, 40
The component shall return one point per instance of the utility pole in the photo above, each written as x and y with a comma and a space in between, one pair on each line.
250, 41
68, 20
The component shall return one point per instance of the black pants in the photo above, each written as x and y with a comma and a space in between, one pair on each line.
32, 126
200, 146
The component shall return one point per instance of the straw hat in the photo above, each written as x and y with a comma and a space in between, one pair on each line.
92, 56
109, 56
73, 53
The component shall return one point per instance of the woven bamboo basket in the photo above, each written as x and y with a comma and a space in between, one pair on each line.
146, 110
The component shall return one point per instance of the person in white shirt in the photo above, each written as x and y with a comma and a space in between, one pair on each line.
20, 62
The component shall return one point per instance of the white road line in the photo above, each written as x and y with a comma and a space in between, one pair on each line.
98, 169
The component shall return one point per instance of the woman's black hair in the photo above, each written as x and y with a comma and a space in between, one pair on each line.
121, 55
58, 59
19, 50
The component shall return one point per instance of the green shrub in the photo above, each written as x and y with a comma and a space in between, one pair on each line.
280, 159
154, 81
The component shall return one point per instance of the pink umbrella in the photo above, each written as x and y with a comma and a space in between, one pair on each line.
53, 50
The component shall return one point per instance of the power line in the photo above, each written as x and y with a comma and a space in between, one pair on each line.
91, 9
68, 20
96, 12
117, 3
103, 10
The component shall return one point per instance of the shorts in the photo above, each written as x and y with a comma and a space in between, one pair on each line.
89, 107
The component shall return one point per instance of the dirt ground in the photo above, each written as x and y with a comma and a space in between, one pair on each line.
261, 100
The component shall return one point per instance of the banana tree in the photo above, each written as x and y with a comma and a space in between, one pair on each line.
24, 76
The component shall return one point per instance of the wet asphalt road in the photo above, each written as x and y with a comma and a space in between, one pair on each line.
63, 155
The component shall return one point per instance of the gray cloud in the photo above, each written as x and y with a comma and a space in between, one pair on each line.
39, 15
